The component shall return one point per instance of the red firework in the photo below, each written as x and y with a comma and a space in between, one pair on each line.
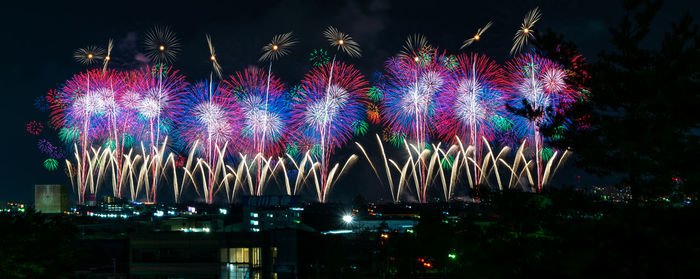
34, 127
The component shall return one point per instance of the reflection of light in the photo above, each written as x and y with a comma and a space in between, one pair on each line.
347, 219
338, 232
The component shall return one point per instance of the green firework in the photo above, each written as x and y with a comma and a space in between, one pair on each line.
374, 93
69, 134
293, 149
546, 153
447, 162
502, 123
450, 62
360, 127
319, 57
397, 139
51, 164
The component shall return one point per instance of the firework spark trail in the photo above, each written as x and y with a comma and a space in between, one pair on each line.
325, 114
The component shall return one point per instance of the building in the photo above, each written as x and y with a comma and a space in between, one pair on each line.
51, 198
235, 255
269, 213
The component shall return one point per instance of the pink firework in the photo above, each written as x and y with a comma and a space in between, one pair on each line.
537, 86
408, 104
471, 103
265, 112
326, 109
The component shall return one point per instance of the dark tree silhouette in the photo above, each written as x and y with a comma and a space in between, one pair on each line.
34, 245
644, 125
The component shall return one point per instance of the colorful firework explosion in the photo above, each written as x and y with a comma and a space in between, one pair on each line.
264, 126
408, 102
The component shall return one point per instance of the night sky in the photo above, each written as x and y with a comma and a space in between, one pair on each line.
38, 40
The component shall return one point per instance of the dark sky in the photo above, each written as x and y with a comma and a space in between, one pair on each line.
38, 40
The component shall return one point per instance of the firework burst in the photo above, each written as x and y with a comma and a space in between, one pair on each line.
333, 110
278, 47
536, 88
108, 57
162, 44
209, 116
264, 126
212, 56
342, 42
408, 99
524, 34
414, 46
471, 101
156, 100
89, 55
324, 114
477, 36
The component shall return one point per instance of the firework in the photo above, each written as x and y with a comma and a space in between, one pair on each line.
69, 134
477, 36
88, 55
342, 42
208, 123
34, 127
472, 99
51, 164
162, 44
319, 57
108, 57
414, 46
536, 88
264, 123
45, 146
212, 56
325, 113
156, 99
524, 34
41, 103
408, 101
278, 47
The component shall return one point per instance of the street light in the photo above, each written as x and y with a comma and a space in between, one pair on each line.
347, 219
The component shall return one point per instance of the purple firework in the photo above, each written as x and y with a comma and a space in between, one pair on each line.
408, 101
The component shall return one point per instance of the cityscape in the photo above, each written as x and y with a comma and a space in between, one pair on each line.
357, 139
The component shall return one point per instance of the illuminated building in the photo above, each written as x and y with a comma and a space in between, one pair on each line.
51, 198
204, 254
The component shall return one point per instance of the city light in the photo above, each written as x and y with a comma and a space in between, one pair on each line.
347, 219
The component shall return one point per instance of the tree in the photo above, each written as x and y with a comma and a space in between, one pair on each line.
644, 125
34, 245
